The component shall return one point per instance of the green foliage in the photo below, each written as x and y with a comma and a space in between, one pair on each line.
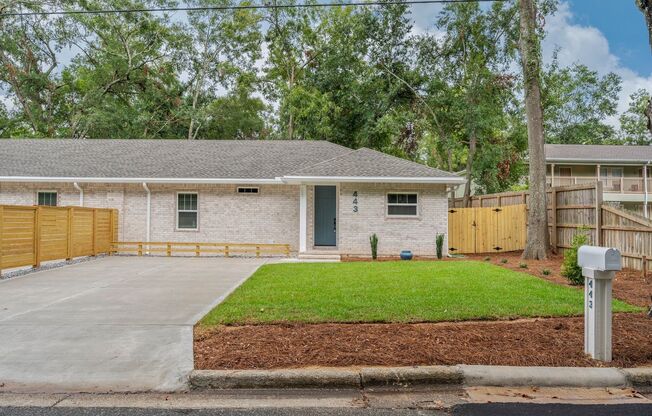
634, 122
439, 240
235, 116
545, 272
503, 261
373, 241
570, 269
487, 258
522, 265
576, 101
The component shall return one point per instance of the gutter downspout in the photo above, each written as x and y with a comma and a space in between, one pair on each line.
81, 193
645, 168
149, 212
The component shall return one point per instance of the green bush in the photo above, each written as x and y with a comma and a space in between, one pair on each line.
440, 245
569, 268
546, 272
522, 265
373, 240
504, 261
487, 258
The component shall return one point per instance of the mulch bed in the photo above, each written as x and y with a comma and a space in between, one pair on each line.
525, 342
533, 342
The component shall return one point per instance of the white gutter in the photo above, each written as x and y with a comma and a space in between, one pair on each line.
139, 180
149, 212
365, 179
81, 193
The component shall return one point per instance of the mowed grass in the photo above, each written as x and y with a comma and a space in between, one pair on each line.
395, 292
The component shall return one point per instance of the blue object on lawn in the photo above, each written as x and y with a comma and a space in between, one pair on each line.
406, 255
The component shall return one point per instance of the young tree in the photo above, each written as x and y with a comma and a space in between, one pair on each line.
538, 238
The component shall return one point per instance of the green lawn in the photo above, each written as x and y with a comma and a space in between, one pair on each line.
394, 292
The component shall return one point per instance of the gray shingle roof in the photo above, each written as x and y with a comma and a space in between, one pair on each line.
198, 159
370, 163
598, 153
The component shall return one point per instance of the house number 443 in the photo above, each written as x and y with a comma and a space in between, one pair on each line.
355, 201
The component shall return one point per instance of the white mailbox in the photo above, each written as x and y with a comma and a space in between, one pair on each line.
599, 266
599, 258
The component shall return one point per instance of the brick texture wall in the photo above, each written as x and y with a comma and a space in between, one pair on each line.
271, 216
394, 234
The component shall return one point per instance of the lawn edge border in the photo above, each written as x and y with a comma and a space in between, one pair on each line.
468, 375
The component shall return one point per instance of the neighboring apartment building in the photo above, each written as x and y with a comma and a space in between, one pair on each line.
623, 170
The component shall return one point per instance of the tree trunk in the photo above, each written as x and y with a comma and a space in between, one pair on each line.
473, 142
538, 237
646, 8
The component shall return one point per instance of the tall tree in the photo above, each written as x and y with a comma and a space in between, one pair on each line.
646, 9
635, 124
576, 103
222, 46
538, 238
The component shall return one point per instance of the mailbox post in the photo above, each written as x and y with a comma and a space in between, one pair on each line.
599, 266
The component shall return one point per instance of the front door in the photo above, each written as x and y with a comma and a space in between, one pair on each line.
325, 216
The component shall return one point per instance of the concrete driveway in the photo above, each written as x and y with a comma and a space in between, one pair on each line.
112, 324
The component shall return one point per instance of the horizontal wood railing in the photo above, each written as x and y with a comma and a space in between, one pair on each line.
227, 249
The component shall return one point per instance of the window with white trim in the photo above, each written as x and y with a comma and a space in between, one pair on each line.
247, 190
187, 213
46, 198
402, 204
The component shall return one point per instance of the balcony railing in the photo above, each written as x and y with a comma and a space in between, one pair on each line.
623, 185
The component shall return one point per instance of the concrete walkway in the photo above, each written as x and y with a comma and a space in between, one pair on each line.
113, 324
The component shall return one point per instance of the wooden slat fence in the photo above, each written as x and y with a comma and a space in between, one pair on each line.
486, 230
30, 235
575, 206
227, 249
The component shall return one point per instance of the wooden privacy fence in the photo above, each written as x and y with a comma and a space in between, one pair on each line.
30, 234
227, 249
484, 230
571, 208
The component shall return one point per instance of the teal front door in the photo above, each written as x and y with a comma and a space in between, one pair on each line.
325, 216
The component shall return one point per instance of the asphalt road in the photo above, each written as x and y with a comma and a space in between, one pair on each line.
491, 409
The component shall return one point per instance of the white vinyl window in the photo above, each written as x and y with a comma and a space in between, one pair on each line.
187, 212
46, 198
402, 204
247, 190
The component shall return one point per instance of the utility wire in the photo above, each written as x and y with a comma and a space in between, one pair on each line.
242, 7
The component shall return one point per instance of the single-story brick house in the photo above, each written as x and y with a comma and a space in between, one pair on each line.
317, 196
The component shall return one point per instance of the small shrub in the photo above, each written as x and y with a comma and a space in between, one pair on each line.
504, 261
487, 258
439, 240
569, 268
522, 265
373, 240
546, 272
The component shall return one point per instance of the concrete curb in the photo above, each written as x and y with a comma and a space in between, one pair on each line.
468, 375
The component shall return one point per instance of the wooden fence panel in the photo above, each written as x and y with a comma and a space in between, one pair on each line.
461, 230
486, 230
511, 228
82, 230
18, 246
53, 223
29, 235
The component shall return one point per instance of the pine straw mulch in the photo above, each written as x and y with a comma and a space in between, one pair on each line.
532, 342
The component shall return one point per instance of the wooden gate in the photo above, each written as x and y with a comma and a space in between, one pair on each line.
486, 230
